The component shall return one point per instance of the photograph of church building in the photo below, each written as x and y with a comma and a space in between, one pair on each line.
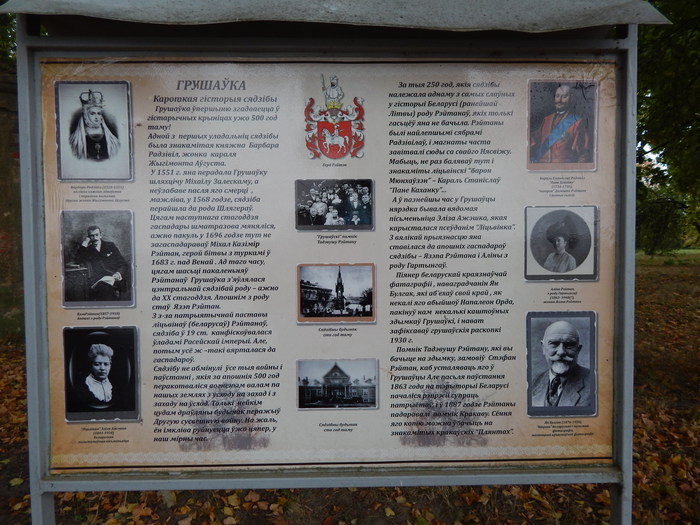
336, 292
342, 383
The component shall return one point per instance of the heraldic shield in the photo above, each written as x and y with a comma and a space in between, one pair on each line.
335, 132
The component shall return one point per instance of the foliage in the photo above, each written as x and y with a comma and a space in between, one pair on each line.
669, 91
8, 46
366, 297
11, 299
666, 450
668, 185
660, 222
691, 235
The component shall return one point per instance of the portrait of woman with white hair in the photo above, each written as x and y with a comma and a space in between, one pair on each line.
98, 389
101, 373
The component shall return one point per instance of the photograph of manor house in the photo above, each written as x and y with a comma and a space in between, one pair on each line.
342, 383
336, 293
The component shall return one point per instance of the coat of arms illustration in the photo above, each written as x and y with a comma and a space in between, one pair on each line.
334, 131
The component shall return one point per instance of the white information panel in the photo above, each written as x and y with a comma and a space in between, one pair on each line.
327, 264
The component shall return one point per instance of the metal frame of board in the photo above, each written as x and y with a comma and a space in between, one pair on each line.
401, 46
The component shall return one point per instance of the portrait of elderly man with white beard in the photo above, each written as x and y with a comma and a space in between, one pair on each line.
565, 385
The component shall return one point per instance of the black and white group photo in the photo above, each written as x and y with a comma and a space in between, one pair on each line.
97, 250
336, 292
334, 204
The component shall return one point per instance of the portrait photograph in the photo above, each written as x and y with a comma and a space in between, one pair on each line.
97, 258
334, 204
101, 373
93, 123
562, 125
561, 363
337, 384
561, 243
336, 293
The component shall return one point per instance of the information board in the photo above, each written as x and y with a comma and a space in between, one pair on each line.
294, 265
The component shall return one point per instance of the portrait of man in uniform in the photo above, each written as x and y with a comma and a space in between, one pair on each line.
562, 126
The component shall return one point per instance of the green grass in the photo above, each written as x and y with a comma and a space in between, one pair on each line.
685, 257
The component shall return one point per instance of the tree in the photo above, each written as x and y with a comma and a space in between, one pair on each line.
366, 298
668, 186
669, 91
660, 220
8, 46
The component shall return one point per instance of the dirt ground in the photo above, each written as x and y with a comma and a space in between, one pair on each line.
666, 450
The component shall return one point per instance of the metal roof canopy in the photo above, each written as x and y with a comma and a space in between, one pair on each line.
530, 16
549, 28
